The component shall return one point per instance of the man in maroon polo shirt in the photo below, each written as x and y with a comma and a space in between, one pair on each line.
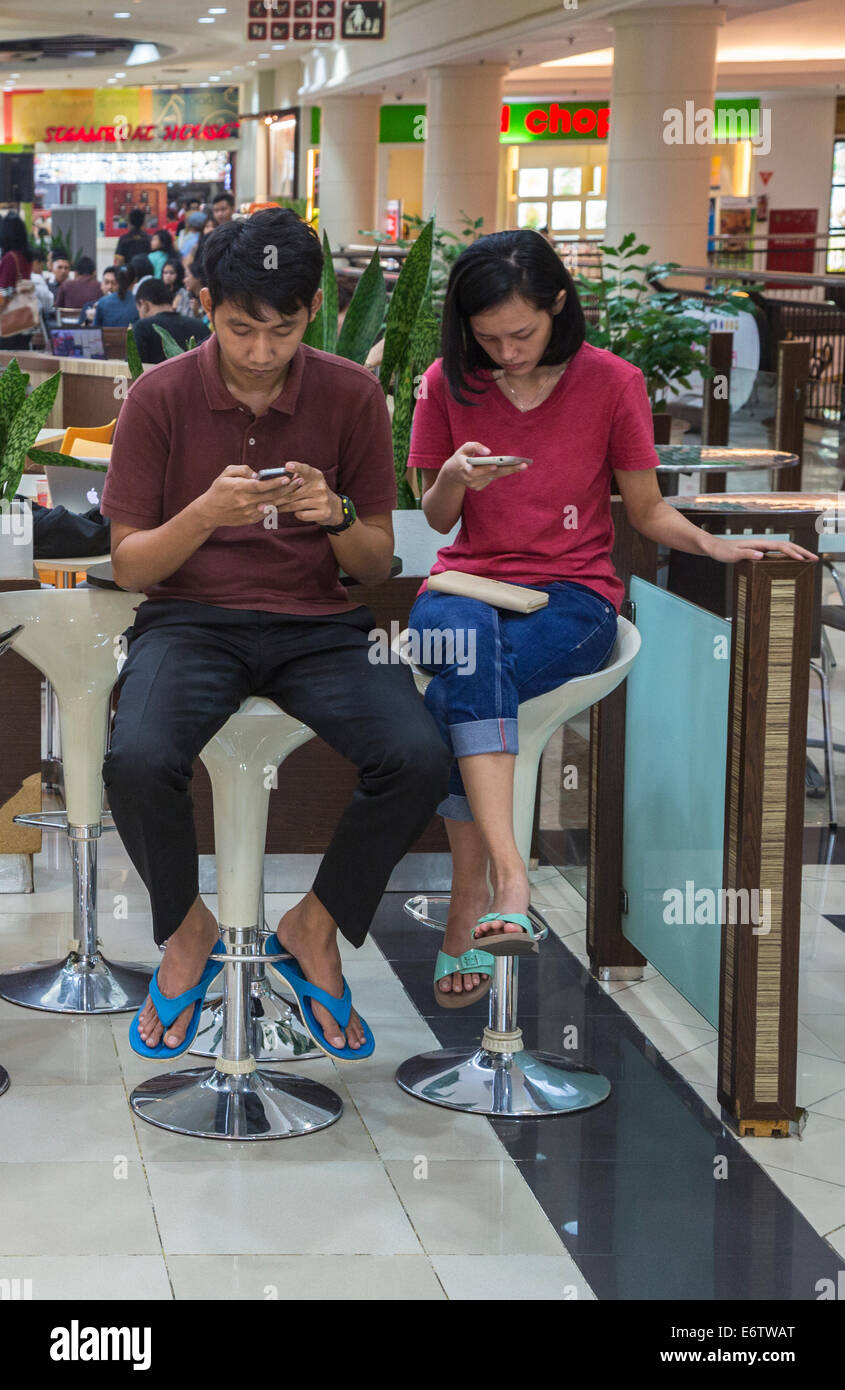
241, 577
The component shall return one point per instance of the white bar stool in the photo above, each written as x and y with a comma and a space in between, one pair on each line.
72, 637
501, 1077
235, 1098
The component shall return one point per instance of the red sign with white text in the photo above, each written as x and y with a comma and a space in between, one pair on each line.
106, 134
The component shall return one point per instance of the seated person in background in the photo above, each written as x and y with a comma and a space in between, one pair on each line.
173, 276
42, 290
84, 289
223, 208
135, 242
194, 281
141, 268
188, 239
58, 269
119, 309
109, 281
155, 307
162, 248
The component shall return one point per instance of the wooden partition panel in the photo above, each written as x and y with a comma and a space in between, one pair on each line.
20, 706
764, 817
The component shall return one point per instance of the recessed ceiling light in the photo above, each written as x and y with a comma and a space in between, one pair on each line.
14, 74
120, 74
251, 63
280, 45
205, 19
111, 79
214, 78
216, 9
122, 14
264, 55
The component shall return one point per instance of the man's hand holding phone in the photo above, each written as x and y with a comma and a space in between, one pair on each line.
240, 496
469, 466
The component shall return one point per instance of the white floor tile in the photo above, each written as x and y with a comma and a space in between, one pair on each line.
405, 1128
41, 1049
66, 1124
823, 1203
66, 1208
74, 1278
524, 1278
483, 1208
820, 1153
318, 1278
216, 1208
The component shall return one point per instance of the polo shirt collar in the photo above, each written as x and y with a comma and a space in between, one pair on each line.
220, 398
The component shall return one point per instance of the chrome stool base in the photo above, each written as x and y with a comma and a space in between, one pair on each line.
508, 1084
4, 1080
80, 984
211, 1104
277, 1033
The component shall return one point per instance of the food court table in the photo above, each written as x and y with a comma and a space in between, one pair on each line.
710, 459
101, 576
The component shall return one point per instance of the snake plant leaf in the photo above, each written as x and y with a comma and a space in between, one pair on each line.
13, 384
47, 456
403, 410
169, 343
23, 432
365, 314
133, 356
322, 331
405, 303
192, 342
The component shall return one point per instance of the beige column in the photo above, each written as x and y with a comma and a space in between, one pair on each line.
349, 132
461, 170
663, 59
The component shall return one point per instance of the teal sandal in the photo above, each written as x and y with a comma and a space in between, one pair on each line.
508, 943
472, 962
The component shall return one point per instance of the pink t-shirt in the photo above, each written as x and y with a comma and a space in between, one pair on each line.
551, 522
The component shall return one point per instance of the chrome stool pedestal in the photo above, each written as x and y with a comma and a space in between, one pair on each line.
500, 1076
277, 1031
235, 1098
73, 637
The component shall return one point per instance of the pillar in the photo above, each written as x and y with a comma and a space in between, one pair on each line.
662, 59
349, 134
462, 152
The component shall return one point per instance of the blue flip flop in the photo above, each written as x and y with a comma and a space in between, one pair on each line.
339, 1008
169, 1010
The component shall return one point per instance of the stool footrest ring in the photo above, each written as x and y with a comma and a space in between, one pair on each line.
492, 1041
230, 1068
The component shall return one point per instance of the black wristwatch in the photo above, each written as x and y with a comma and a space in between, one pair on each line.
349, 515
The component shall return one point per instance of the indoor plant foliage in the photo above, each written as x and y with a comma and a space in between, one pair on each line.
649, 327
411, 334
21, 417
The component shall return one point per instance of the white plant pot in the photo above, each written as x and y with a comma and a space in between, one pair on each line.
16, 558
416, 543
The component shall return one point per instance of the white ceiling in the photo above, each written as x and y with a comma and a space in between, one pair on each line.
784, 43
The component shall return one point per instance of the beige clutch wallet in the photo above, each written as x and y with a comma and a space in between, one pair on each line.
492, 591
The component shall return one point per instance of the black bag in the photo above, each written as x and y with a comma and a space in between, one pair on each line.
58, 534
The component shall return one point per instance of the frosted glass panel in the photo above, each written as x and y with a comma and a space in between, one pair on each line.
532, 215
566, 182
566, 217
533, 183
595, 215
675, 751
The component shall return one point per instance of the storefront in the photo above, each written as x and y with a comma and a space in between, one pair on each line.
111, 150
553, 170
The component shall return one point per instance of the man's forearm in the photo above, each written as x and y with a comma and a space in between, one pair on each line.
148, 557
364, 552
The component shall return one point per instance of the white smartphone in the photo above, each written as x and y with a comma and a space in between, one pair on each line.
266, 473
497, 461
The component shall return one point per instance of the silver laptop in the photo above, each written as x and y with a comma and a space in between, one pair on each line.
76, 489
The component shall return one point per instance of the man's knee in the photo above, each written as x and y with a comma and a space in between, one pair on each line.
141, 766
421, 757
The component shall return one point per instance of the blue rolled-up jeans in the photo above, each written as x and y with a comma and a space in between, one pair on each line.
488, 660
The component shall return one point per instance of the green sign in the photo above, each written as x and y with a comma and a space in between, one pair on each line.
402, 125
527, 121
736, 119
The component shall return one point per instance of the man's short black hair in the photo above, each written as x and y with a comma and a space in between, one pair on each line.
136, 218
85, 266
223, 198
154, 292
272, 260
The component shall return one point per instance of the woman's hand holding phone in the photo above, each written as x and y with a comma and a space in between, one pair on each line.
476, 476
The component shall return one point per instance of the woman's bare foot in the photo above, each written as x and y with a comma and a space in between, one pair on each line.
511, 893
464, 911
181, 968
309, 933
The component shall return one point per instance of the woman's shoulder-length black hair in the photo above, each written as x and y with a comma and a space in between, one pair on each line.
487, 273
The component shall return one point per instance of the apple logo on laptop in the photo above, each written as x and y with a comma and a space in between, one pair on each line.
93, 497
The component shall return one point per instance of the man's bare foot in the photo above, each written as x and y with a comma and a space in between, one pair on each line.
309, 933
464, 911
181, 968
512, 893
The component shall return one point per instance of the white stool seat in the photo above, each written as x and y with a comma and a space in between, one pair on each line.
236, 1098
73, 637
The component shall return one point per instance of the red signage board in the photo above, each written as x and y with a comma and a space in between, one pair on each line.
107, 134
791, 242
121, 198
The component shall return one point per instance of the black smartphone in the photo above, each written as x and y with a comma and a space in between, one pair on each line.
267, 473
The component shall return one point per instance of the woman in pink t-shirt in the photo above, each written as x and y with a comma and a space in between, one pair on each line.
518, 379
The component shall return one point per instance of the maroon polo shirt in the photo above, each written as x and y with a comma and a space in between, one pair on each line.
179, 427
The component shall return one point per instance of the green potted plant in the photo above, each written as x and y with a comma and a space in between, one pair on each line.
21, 417
650, 327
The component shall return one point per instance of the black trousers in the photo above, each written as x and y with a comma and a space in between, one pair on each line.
190, 665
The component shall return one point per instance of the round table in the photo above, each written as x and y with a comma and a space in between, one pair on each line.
101, 576
710, 458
